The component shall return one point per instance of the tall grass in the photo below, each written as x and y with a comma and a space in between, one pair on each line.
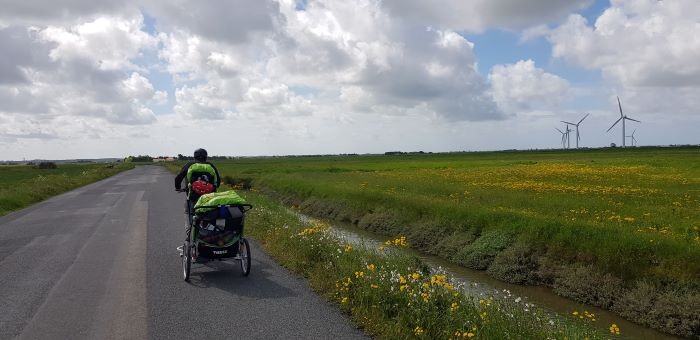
23, 185
393, 295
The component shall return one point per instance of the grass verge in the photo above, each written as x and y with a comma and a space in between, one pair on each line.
393, 295
22, 185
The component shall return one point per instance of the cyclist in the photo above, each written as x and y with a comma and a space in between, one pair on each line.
202, 178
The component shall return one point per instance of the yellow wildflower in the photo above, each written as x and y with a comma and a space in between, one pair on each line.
614, 329
418, 330
425, 297
371, 267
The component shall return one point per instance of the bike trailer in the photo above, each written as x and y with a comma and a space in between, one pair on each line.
219, 219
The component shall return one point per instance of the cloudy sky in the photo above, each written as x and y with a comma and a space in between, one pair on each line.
84, 78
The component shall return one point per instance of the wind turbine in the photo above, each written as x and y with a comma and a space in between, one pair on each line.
634, 140
578, 137
622, 118
563, 138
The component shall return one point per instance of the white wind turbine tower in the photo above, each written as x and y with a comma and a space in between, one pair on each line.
568, 137
578, 136
631, 137
622, 118
563, 138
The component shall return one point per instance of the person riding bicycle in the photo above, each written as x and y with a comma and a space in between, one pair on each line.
202, 177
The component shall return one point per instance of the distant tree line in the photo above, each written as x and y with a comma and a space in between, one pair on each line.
45, 165
181, 157
139, 158
390, 153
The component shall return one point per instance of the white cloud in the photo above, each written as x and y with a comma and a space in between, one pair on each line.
138, 87
638, 43
479, 15
160, 98
523, 87
206, 101
404, 66
78, 70
40, 12
232, 21
330, 46
647, 49
534, 32
108, 42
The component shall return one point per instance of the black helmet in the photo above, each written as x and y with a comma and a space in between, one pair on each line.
200, 155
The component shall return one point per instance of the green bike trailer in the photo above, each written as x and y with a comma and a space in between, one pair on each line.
216, 232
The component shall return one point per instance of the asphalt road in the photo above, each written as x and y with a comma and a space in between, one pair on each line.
101, 262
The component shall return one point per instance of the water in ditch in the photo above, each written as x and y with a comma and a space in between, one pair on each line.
477, 283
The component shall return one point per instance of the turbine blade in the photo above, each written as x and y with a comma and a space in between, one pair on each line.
617, 121
584, 117
559, 130
567, 122
620, 105
632, 119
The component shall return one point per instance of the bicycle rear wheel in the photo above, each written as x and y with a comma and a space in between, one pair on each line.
244, 254
186, 260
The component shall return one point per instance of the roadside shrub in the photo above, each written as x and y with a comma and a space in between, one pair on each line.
425, 237
380, 221
517, 264
451, 244
587, 285
547, 270
678, 312
480, 253
323, 208
46, 165
238, 183
675, 311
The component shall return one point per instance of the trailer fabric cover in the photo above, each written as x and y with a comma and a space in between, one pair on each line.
215, 199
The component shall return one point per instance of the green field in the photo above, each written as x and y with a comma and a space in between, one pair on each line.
613, 228
22, 185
